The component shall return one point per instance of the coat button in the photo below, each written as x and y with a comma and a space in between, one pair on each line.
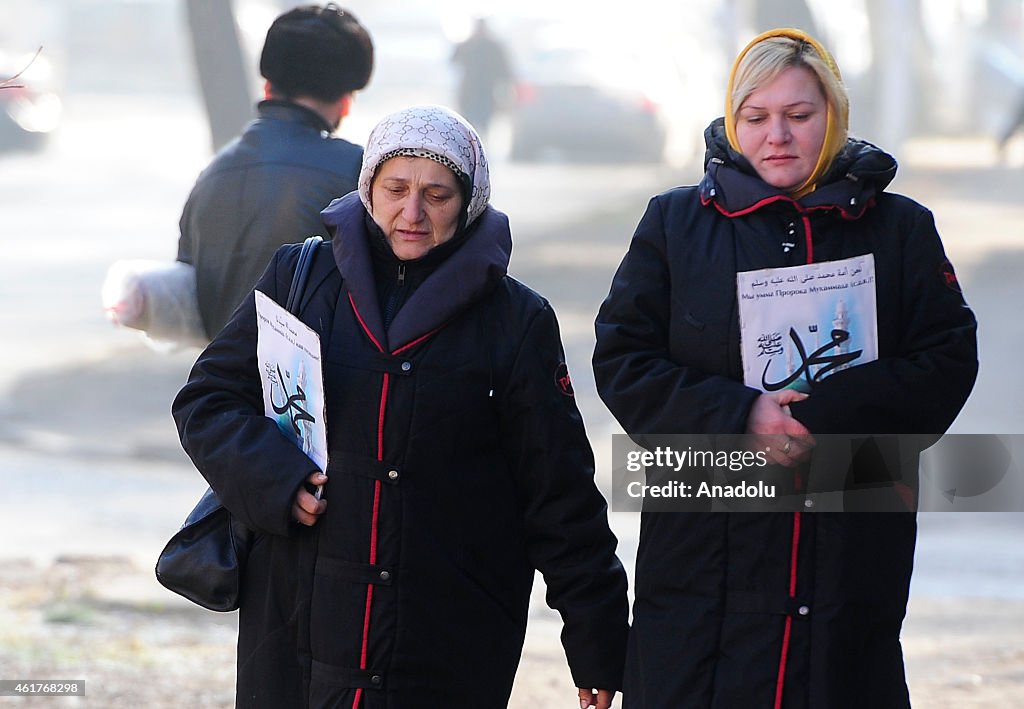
385, 575
808, 503
803, 610
376, 679
406, 366
392, 475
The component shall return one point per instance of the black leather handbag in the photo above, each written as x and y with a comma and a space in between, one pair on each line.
204, 561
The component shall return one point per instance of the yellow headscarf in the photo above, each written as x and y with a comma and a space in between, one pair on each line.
836, 126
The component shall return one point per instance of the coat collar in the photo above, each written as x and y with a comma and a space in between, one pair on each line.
472, 271
280, 110
859, 173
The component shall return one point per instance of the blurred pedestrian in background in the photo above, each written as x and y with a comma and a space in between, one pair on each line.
267, 187
779, 609
1013, 124
485, 75
459, 462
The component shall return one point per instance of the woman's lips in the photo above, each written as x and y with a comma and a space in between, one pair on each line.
408, 235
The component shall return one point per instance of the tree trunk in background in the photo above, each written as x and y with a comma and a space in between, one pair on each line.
221, 68
898, 79
769, 14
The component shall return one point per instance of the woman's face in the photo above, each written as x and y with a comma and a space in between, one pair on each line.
416, 202
781, 127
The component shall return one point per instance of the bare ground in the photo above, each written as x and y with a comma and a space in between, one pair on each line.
97, 619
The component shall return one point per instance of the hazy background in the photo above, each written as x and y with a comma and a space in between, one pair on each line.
90, 467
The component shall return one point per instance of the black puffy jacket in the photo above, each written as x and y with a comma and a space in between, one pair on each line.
264, 189
458, 465
776, 609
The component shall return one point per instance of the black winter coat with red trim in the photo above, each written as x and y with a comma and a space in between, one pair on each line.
458, 465
780, 609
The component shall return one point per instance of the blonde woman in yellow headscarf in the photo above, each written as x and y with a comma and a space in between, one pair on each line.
792, 301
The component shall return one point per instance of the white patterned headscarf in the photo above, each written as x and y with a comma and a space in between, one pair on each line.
432, 132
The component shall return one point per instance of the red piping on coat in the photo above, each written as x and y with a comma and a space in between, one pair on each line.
906, 495
373, 339
794, 548
754, 207
380, 415
376, 504
804, 216
851, 216
364, 651
369, 590
362, 322
807, 238
415, 342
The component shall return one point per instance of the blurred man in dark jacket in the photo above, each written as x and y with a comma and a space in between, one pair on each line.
268, 186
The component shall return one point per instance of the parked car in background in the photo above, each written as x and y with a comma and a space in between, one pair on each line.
584, 103
29, 107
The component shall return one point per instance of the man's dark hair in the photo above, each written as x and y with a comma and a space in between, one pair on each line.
320, 52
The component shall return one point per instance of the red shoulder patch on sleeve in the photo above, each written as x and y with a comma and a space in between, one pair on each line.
563, 381
949, 276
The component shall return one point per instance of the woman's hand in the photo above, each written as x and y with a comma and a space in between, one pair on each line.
601, 698
307, 507
786, 441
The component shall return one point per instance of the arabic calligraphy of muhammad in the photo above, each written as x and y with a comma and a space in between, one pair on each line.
802, 323
288, 352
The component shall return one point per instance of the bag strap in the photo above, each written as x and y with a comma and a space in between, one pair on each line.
302, 269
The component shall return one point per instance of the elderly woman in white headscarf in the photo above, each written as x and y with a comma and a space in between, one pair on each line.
458, 459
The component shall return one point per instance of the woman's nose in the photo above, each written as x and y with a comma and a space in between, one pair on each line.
778, 131
412, 210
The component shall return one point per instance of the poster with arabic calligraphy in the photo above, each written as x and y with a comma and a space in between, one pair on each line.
801, 324
288, 352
